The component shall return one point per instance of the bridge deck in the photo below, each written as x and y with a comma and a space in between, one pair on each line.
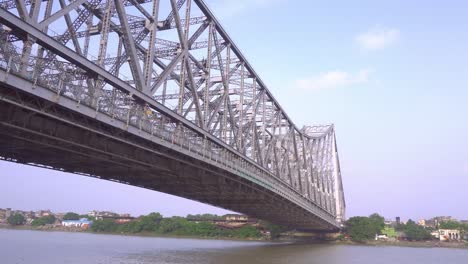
37, 132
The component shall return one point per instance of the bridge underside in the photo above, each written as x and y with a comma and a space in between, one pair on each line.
41, 132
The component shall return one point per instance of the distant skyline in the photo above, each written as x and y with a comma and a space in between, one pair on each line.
391, 75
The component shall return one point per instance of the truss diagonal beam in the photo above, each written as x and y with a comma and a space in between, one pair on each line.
61, 13
130, 48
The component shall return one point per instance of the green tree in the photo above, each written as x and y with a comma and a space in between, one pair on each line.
377, 222
248, 232
416, 232
16, 219
150, 222
174, 226
49, 219
105, 225
202, 229
169, 225
400, 227
359, 228
38, 222
131, 227
450, 225
71, 216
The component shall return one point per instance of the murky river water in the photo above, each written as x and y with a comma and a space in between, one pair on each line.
22, 246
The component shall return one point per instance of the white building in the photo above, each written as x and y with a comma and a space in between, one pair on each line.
83, 223
449, 234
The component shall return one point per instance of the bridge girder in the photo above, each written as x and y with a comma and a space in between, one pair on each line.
191, 84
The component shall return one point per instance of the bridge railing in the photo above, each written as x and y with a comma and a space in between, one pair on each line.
69, 81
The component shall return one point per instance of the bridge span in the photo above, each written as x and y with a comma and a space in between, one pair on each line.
154, 93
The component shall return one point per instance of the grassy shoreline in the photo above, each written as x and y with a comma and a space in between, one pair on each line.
142, 234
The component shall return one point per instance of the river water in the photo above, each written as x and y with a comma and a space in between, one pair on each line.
24, 246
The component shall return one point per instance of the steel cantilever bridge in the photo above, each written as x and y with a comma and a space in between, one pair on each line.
154, 93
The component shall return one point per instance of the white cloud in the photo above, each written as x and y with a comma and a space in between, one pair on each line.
377, 38
333, 79
230, 8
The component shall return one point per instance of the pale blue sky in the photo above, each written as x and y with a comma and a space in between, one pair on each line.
391, 75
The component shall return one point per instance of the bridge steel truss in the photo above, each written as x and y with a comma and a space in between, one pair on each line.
157, 87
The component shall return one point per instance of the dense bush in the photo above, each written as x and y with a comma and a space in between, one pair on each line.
358, 228
105, 225
416, 232
16, 219
71, 216
49, 219
180, 226
361, 228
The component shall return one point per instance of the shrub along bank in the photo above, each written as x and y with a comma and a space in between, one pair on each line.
155, 224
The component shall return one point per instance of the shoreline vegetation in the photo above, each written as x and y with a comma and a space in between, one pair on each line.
373, 231
142, 234
154, 224
280, 239
358, 230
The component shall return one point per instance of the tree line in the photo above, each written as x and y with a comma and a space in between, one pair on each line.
362, 228
155, 224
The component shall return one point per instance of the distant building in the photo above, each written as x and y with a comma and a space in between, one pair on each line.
449, 235
445, 219
93, 213
99, 215
381, 237
435, 234
30, 214
432, 223
118, 219
422, 222
42, 213
390, 223
397, 220
82, 223
7, 212
59, 215
236, 218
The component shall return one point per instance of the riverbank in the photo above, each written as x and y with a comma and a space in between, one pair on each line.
31, 247
141, 234
283, 239
415, 244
